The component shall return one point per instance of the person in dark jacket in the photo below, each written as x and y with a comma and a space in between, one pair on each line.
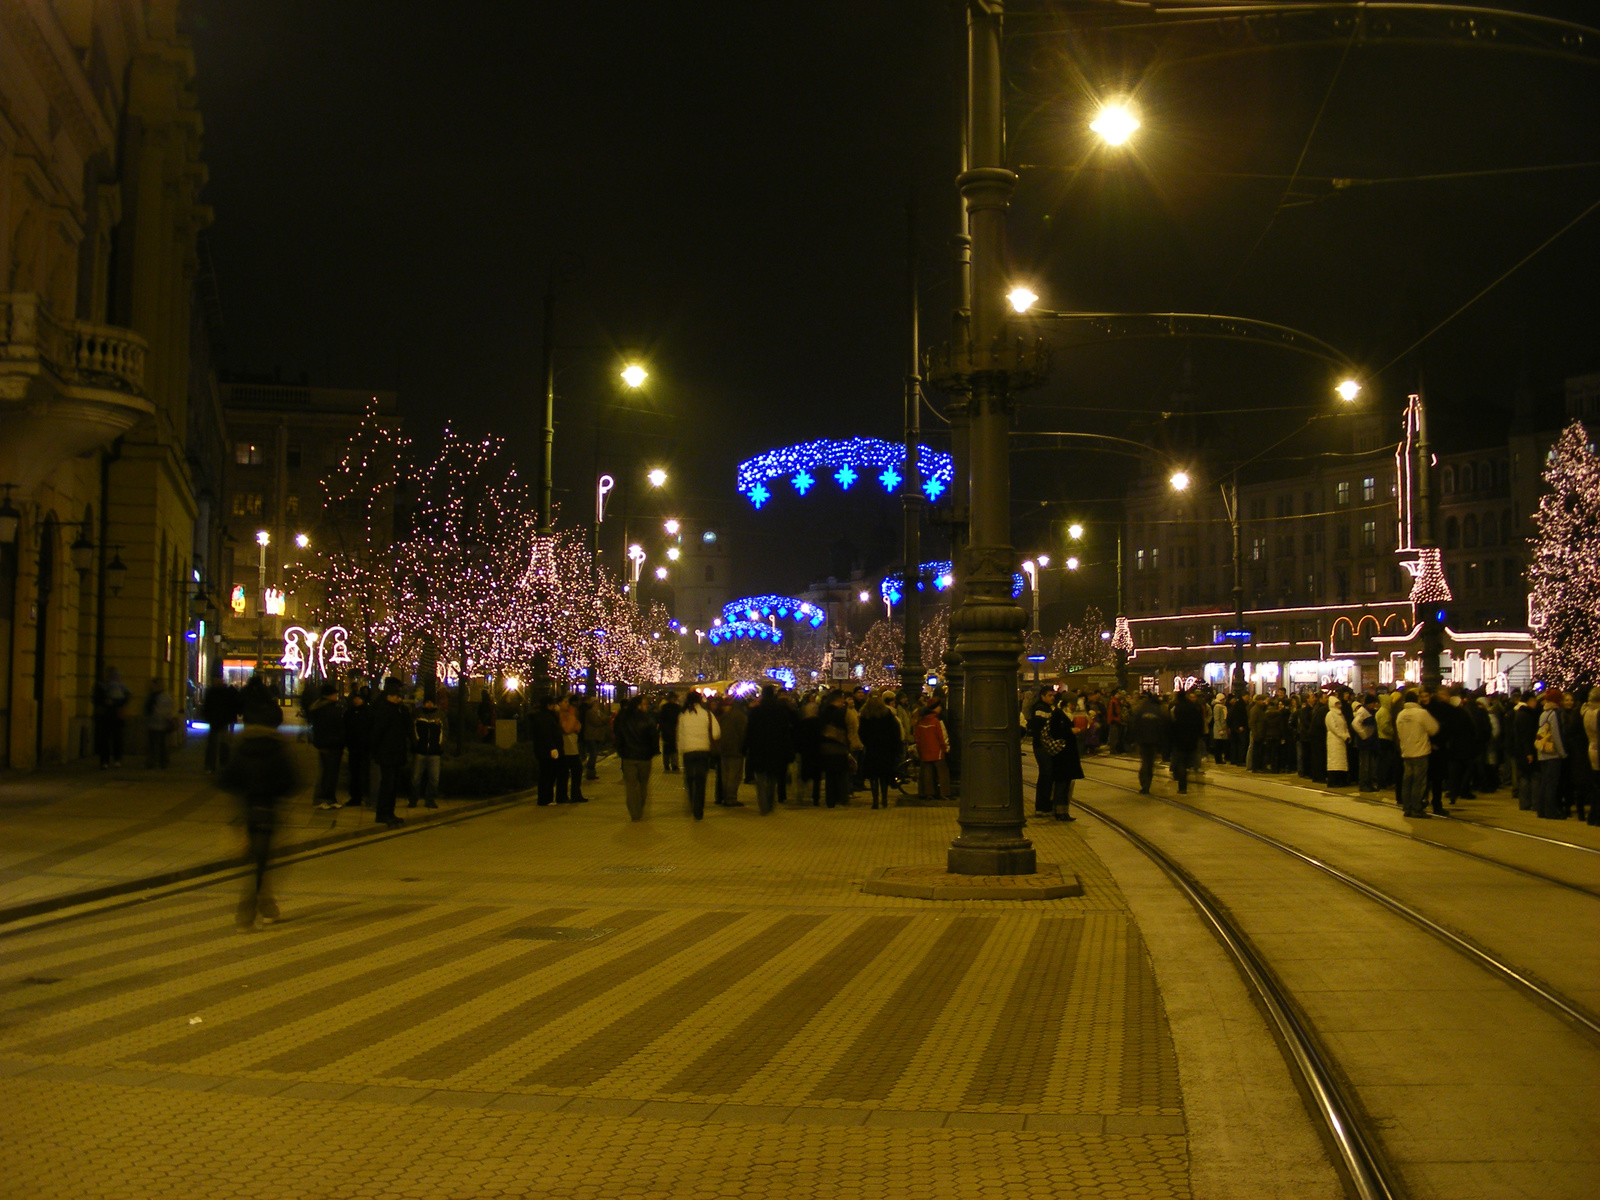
1238, 731
358, 742
1148, 729
1187, 726
881, 749
219, 709
427, 744
769, 746
545, 728
327, 735
1461, 748
261, 774
667, 723
1066, 765
638, 740
391, 731
835, 751
1524, 725
1038, 717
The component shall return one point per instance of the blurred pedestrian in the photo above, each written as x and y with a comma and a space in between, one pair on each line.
769, 746
261, 774
638, 740
1186, 733
110, 697
358, 743
596, 733
569, 767
159, 718
1148, 729
734, 719
667, 722
933, 750
219, 707
698, 731
1550, 751
391, 731
881, 749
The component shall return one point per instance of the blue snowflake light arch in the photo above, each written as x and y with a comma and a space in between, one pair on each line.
806, 464
785, 608
940, 574
755, 631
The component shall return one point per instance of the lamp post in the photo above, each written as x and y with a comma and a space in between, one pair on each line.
912, 673
1031, 570
263, 539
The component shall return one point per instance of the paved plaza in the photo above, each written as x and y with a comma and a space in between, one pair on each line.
558, 1002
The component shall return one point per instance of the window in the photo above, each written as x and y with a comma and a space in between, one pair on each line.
1138, 560
1286, 546
1155, 558
247, 504
1447, 481
1309, 502
249, 454
1341, 493
1258, 549
1469, 477
1369, 488
1488, 575
1395, 584
1258, 510
1506, 526
1311, 585
1472, 577
1369, 535
291, 507
1452, 534
1369, 580
1341, 536
1342, 580
1489, 531
1286, 506
1509, 575
1469, 531
292, 458
1310, 541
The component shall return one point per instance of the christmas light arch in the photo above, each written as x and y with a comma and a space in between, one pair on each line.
940, 574
756, 631
785, 608
806, 464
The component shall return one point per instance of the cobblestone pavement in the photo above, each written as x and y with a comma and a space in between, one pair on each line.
74, 828
558, 1002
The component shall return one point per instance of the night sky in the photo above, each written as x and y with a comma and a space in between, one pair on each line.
721, 191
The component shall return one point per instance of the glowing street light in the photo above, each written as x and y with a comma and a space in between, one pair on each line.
672, 526
634, 375
1348, 390
661, 573
1044, 560
1075, 532
1115, 124
1179, 481
1072, 564
657, 477
1021, 299
673, 553
302, 540
263, 538
864, 597
512, 683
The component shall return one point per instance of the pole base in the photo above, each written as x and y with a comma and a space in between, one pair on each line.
997, 860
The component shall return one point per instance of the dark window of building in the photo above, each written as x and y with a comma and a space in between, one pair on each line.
1472, 577
1395, 582
1341, 536
1469, 477
247, 504
249, 454
711, 574
291, 507
1310, 500
1341, 579
1490, 532
1369, 580
1447, 481
1488, 575
1509, 574
1310, 541
1452, 534
1286, 506
1469, 531
1258, 510
1507, 524
292, 458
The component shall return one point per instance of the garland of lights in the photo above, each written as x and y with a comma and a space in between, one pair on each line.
754, 608
844, 462
730, 631
941, 574
1429, 585
1122, 636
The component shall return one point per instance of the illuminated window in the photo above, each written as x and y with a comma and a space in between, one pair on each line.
247, 504
1138, 560
291, 506
1155, 558
1369, 535
1369, 488
249, 454
1369, 580
1258, 549
1341, 493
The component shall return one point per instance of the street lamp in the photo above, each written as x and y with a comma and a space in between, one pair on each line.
657, 477
673, 554
302, 540
661, 573
1115, 123
1075, 532
1348, 390
1021, 299
634, 375
1179, 481
1031, 570
1072, 564
672, 527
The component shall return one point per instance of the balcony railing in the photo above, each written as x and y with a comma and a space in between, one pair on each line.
80, 352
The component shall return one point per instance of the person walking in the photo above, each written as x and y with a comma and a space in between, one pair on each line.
1219, 730
1550, 751
110, 697
261, 774
1186, 731
327, 737
159, 716
933, 749
427, 744
1415, 728
358, 744
596, 733
569, 768
834, 751
698, 731
1387, 763
638, 740
220, 709
769, 746
881, 749
1148, 729
808, 743
667, 721
1524, 725
390, 733
735, 719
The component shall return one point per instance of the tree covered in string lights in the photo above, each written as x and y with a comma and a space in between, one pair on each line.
1080, 644
347, 577
935, 641
1564, 572
880, 652
661, 643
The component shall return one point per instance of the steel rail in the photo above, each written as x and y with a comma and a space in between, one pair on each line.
1401, 833
1358, 1160
1495, 966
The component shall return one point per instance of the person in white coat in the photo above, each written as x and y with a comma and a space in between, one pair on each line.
1338, 743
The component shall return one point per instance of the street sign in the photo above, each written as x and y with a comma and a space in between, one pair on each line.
1231, 635
841, 670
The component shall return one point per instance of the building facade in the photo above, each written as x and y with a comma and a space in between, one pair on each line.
100, 178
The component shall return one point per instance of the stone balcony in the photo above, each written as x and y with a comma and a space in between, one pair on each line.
67, 387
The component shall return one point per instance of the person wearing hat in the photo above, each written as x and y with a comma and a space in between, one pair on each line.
390, 732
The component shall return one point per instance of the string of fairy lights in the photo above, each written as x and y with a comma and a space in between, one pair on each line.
845, 462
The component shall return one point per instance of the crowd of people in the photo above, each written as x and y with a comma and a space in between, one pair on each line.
1427, 745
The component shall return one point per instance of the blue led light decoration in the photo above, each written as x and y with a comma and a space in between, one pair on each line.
941, 574
785, 608
755, 631
845, 462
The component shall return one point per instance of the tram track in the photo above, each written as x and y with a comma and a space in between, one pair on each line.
1228, 901
1212, 786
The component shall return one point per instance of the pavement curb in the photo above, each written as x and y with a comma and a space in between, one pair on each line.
373, 832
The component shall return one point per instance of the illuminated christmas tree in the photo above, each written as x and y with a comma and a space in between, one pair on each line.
935, 640
1564, 574
880, 655
1080, 644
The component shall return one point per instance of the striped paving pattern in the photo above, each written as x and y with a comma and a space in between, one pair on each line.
920, 1011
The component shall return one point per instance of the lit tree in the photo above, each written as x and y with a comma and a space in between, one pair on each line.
1564, 573
935, 640
662, 644
883, 644
348, 578
1079, 643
